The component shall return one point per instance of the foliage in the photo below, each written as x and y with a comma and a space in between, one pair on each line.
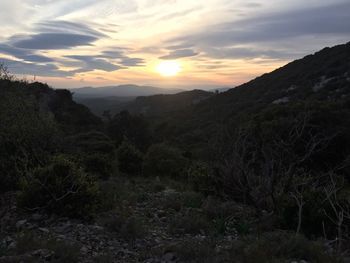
164, 160
28, 242
99, 165
132, 127
28, 136
128, 227
61, 188
91, 142
129, 158
200, 177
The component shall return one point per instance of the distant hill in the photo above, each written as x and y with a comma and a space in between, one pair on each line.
121, 91
163, 104
154, 105
99, 105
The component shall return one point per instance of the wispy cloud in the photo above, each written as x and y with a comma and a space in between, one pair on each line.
180, 53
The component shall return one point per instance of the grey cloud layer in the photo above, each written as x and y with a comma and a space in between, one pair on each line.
180, 53
226, 40
53, 41
60, 35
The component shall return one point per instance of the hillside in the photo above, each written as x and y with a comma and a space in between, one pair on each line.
323, 76
71, 116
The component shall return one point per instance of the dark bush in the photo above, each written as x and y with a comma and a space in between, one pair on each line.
164, 160
99, 164
27, 137
60, 188
129, 159
201, 179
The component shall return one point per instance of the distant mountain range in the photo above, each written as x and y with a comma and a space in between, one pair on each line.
121, 91
147, 100
158, 104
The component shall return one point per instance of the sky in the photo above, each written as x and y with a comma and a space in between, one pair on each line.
76, 43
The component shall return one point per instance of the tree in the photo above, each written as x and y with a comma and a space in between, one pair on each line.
258, 167
133, 127
5, 73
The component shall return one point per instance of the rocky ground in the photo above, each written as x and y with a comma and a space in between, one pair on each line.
152, 223
37, 237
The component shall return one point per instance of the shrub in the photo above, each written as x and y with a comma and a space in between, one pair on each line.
27, 137
61, 188
129, 159
200, 178
127, 226
62, 252
163, 160
90, 142
192, 199
99, 164
190, 223
280, 247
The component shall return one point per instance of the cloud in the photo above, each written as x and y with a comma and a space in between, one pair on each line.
91, 63
24, 54
132, 62
52, 41
181, 53
246, 53
60, 26
36, 58
270, 30
25, 68
113, 54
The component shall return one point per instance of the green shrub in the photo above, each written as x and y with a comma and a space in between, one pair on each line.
98, 164
192, 199
90, 142
190, 223
61, 188
28, 136
128, 227
164, 160
200, 178
129, 159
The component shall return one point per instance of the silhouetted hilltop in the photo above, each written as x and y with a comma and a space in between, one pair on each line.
69, 114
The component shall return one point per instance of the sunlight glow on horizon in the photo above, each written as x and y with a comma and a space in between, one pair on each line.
169, 68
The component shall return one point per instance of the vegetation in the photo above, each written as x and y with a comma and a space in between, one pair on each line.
256, 174
61, 188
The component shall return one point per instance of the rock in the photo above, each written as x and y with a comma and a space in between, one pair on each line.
21, 223
168, 257
281, 100
44, 230
43, 254
84, 250
37, 217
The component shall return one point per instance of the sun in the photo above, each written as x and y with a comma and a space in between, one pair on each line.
169, 68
